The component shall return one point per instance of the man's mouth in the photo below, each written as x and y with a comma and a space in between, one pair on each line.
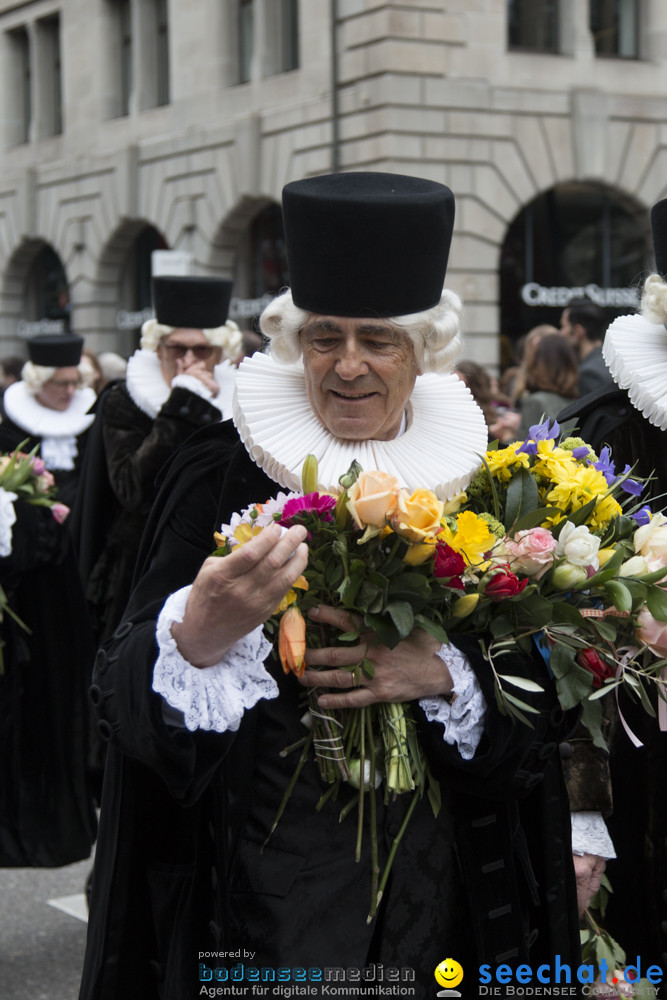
352, 395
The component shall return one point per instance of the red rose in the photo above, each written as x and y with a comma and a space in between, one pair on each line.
448, 565
503, 584
591, 660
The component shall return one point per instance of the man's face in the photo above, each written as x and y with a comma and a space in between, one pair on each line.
359, 375
58, 392
186, 351
572, 332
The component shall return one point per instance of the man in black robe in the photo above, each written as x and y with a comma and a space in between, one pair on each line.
196, 712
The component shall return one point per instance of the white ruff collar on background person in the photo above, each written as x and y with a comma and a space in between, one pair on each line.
150, 392
440, 450
40, 421
635, 352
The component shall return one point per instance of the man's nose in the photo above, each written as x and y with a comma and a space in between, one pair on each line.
351, 362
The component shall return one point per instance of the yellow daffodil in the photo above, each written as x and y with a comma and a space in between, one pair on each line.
291, 595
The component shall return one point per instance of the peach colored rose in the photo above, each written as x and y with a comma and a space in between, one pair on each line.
652, 632
372, 499
417, 517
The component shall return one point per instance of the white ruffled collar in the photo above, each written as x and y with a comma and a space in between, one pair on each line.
150, 392
42, 422
440, 450
635, 351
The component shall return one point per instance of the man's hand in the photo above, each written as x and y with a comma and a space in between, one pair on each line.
234, 594
200, 371
410, 671
588, 871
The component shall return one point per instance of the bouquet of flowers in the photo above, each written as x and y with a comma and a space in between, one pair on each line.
548, 549
23, 476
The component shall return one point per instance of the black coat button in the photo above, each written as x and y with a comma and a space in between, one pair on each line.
106, 730
123, 630
566, 750
101, 661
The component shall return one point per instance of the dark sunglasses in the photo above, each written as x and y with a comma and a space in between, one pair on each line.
202, 352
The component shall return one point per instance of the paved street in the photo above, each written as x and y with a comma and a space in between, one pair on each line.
41, 946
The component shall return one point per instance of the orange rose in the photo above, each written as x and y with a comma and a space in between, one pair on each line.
372, 499
418, 517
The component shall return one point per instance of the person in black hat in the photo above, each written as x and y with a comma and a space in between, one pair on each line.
47, 815
181, 379
631, 418
196, 713
49, 407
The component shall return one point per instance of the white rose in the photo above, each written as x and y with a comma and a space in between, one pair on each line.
651, 542
635, 566
7, 519
578, 546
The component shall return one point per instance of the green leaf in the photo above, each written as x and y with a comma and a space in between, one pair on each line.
619, 595
563, 612
521, 682
606, 629
537, 608
574, 686
520, 704
403, 617
591, 717
535, 518
367, 668
502, 625
437, 631
522, 497
561, 660
656, 601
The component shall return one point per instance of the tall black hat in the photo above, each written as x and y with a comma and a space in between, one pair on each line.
367, 244
195, 303
659, 232
61, 350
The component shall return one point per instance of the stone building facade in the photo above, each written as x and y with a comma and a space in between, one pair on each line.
128, 126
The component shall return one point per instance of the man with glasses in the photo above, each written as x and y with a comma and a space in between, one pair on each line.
180, 379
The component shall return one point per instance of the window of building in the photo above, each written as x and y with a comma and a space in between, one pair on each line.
124, 13
48, 43
21, 85
272, 28
533, 25
162, 33
598, 247
246, 39
288, 35
614, 25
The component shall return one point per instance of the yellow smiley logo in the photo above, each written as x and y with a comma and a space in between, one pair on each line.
449, 973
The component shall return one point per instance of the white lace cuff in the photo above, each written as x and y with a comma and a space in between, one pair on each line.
463, 717
192, 384
210, 697
591, 836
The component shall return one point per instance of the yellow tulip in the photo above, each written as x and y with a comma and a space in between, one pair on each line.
465, 605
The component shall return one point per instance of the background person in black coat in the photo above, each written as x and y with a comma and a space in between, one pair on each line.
47, 817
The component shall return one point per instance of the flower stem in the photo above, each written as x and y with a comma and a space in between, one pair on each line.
392, 854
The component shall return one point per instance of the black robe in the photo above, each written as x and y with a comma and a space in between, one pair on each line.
47, 815
179, 867
126, 451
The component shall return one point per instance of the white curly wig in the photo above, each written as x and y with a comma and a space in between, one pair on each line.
228, 337
35, 376
653, 306
435, 332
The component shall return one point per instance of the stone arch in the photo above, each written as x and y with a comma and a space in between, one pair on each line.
14, 296
113, 294
598, 247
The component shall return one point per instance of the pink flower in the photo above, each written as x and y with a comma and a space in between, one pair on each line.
38, 466
652, 632
312, 503
60, 512
533, 552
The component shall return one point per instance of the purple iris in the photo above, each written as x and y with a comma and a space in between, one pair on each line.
630, 485
581, 452
606, 466
642, 516
539, 432
311, 503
